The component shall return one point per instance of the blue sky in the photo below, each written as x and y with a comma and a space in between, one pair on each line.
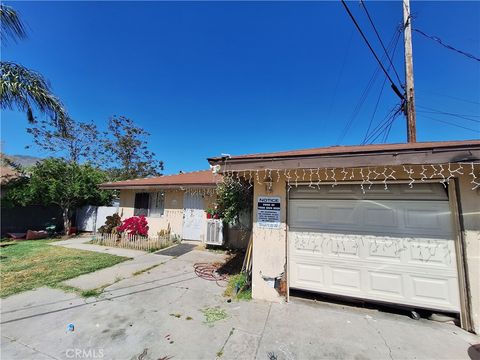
206, 78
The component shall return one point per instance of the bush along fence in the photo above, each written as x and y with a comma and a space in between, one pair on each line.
136, 242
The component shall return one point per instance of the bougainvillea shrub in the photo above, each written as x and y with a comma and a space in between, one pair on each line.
135, 225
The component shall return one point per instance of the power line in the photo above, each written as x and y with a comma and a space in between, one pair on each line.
450, 97
392, 45
380, 39
450, 47
441, 112
381, 90
392, 84
451, 123
383, 125
340, 75
374, 111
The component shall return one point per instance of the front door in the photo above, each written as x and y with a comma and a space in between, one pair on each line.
193, 217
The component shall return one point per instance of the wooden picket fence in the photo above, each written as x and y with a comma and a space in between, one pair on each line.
135, 242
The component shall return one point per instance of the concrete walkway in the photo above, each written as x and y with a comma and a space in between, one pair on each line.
161, 314
140, 261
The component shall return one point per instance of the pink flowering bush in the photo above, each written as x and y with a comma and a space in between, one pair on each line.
135, 225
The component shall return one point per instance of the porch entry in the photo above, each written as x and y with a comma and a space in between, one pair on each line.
193, 217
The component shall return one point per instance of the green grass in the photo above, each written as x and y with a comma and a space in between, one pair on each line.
27, 265
139, 272
240, 282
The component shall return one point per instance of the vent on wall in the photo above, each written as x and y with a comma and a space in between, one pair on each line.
214, 232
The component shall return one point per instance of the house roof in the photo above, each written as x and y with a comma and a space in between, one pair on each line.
6, 174
360, 155
356, 149
203, 178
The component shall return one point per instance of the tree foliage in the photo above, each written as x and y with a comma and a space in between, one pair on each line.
80, 142
59, 182
22, 88
233, 198
127, 151
11, 26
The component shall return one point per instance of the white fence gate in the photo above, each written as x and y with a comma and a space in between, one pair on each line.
90, 218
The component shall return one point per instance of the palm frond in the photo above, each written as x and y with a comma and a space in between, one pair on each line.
25, 89
11, 26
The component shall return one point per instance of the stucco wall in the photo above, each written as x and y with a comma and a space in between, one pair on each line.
470, 212
269, 245
173, 215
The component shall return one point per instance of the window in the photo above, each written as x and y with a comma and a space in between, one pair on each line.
157, 204
141, 204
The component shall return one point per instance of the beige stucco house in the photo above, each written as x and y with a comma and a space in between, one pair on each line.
394, 223
174, 203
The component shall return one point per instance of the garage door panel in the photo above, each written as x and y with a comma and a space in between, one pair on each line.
380, 216
310, 274
388, 284
384, 249
433, 290
439, 253
345, 278
387, 250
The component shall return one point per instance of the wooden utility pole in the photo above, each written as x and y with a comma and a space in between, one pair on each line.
409, 91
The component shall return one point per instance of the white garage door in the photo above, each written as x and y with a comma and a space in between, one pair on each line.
393, 246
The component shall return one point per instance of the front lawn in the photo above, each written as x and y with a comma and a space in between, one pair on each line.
26, 265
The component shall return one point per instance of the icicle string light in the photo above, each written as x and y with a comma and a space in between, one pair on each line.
366, 176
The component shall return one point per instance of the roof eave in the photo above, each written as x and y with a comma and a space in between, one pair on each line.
107, 186
426, 155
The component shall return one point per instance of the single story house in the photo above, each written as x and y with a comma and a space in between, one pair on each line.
175, 203
390, 223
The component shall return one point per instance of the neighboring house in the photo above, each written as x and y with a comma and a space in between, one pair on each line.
172, 202
394, 223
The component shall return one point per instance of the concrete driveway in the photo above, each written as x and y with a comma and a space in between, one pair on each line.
158, 315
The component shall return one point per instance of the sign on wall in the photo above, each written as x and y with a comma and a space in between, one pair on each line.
268, 212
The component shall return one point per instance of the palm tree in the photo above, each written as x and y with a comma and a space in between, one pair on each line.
22, 88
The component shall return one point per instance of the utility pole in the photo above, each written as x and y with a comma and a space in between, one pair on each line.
409, 91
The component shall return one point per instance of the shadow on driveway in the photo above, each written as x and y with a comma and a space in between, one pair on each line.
177, 250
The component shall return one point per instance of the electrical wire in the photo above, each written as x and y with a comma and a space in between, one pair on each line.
381, 90
450, 47
448, 96
380, 40
441, 112
392, 47
383, 125
452, 124
340, 74
392, 83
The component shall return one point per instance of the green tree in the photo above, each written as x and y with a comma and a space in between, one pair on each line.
127, 152
59, 182
22, 88
80, 143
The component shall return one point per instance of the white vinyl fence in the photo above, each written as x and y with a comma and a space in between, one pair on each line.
135, 242
90, 218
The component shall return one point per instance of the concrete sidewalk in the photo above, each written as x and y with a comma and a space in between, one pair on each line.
81, 243
140, 260
160, 313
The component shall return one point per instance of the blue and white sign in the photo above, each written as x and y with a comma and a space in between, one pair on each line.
268, 212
